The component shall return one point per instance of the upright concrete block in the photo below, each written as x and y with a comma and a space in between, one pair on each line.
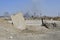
18, 21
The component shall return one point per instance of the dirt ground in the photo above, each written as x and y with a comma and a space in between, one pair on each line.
9, 32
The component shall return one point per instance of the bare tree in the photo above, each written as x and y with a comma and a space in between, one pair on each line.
6, 14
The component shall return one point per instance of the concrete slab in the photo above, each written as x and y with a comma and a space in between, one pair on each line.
18, 21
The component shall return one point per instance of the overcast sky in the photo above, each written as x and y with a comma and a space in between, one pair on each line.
46, 7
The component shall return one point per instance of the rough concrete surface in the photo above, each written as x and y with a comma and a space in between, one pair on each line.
18, 21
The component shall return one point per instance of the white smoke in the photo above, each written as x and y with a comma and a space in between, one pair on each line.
35, 0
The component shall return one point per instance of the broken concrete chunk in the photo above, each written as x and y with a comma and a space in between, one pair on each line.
18, 21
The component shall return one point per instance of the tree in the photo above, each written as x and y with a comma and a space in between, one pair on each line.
6, 14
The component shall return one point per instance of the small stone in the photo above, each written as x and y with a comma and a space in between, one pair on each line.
11, 37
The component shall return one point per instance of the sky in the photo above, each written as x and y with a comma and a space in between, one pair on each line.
45, 7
